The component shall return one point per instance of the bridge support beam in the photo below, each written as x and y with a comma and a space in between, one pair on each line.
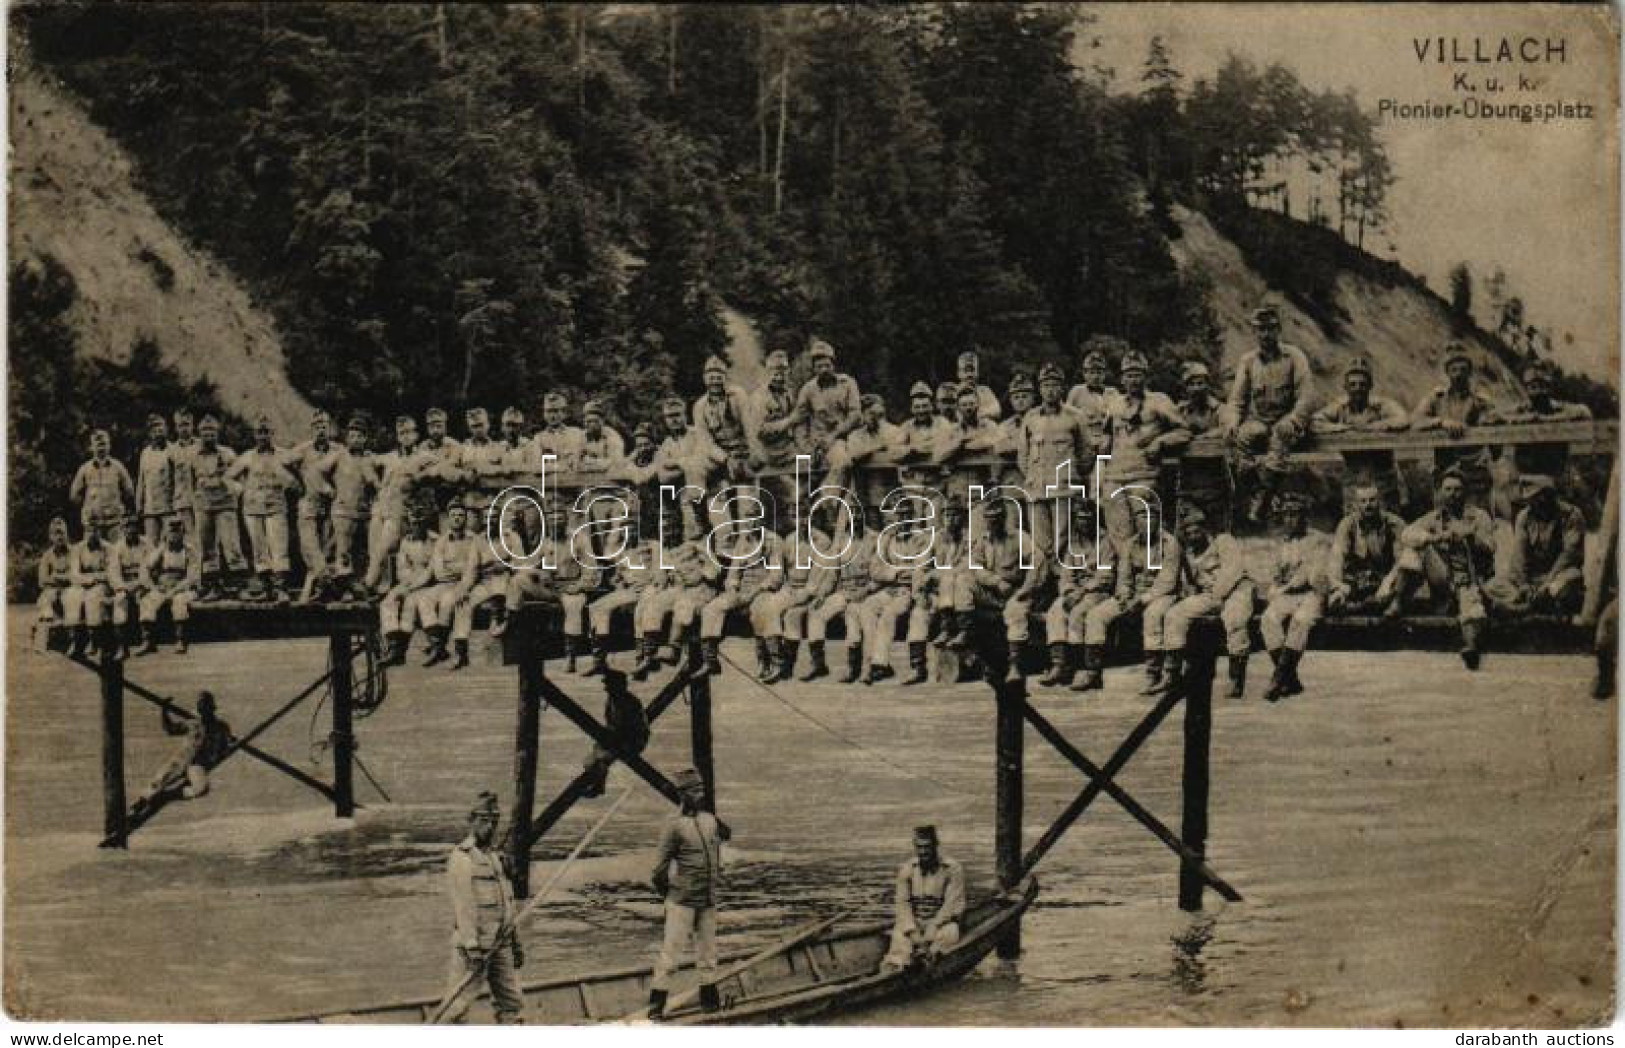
1008, 778
526, 749
115, 833
1195, 775
699, 725
339, 656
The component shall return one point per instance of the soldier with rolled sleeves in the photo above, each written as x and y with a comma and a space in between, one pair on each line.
180, 457
687, 875
54, 580
86, 603
1052, 436
124, 560
752, 563
101, 487
214, 509
430, 475
969, 370
389, 511
1083, 580
1023, 396
398, 608
782, 616
874, 437
928, 904
1452, 549
266, 481
969, 437
451, 572
1455, 405
686, 458
170, 578
722, 410
1092, 397
1544, 575
1215, 580
155, 480
1360, 566
1295, 600
828, 405
847, 594
1539, 404
1359, 410
313, 462
484, 939
1143, 427
915, 440
1271, 402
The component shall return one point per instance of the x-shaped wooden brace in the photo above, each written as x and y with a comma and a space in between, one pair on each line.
1101, 781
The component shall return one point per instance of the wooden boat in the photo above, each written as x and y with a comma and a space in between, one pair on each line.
834, 972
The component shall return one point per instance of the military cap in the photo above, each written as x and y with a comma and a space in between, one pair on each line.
1266, 310
673, 402
1193, 369
925, 834
777, 359
485, 806
1133, 361
174, 523
1451, 471
405, 422
319, 415
1360, 363
871, 400
475, 415
919, 389
951, 388
820, 348
455, 505
1192, 515
993, 506
512, 415
206, 422
716, 364
688, 779
1095, 358
644, 430
181, 413
58, 524
1021, 382
593, 407
969, 357
1455, 351
1051, 372
553, 400
434, 415
1535, 483
154, 419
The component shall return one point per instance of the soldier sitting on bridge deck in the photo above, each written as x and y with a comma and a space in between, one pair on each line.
1084, 579
1360, 566
1452, 548
752, 567
1270, 403
1295, 599
398, 608
169, 577
1215, 581
1548, 553
54, 581
1540, 405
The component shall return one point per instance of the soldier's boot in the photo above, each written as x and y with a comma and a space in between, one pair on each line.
710, 999
112, 640
437, 646
211, 589
854, 663
789, 651
254, 590
646, 656
916, 662
1012, 656
461, 647
396, 655
281, 583
711, 654
657, 1004
959, 635
1094, 663
180, 638
1280, 681
149, 644
572, 649
499, 618
1603, 687
1238, 676
768, 659
1173, 670
1472, 636
600, 658
1290, 660
1060, 658
817, 667
1153, 673
764, 658
81, 641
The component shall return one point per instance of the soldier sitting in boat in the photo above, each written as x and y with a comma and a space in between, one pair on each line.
485, 945
186, 776
930, 904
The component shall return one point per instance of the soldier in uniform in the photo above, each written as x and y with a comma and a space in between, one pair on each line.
180, 456
828, 406
1452, 549
1270, 402
722, 411
686, 458
102, 488
935, 583
690, 582
1360, 565
602, 449
1143, 426
848, 599
85, 604
389, 511
1295, 599
772, 429
1091, 397
155, 481
859, 447
752, 565
918, 436
1539, 404
398, 608
969, 371
628, 580
266, 481
313, 462
556, 437
353, 479
660, 591
1148, 581
781, 620
929, 900
1544, 575
1359, 410
515, 448
1215, 580
1202, 413
54, 580
1455, 405
214, 509
430, 474
891, 596
1052, 437
948, 402
687, 874
170, 578
124, 561
1083, 581
969, 437
452, 564
1023, 396
488, 579
485, 941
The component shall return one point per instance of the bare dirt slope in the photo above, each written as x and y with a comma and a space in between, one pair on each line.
1402, 330
73, 198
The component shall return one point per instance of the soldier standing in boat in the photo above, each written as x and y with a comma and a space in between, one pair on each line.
692, 840
484, 941
930, 904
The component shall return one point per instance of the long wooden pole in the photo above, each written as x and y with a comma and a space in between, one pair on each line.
527, 745
699, 723
1007, 781
114, 831
339, 654
1195, 776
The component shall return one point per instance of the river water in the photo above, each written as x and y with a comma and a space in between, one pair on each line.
1416, 845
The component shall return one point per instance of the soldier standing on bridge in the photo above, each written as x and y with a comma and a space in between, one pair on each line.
1452, 548
266, 481
1092, 397
1453, 407
389, 512
1270, 405
180, 456
314, 461
214, 503
1295, 600
1052, 437
687, 874
101, 487
1142, 427
721, 410
485, 942
155, 480
771, 429
1361, 411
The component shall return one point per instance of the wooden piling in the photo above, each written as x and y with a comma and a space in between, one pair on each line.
699, 722
115, 833
526, 748
1007, 782
339, 657
1201, 662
